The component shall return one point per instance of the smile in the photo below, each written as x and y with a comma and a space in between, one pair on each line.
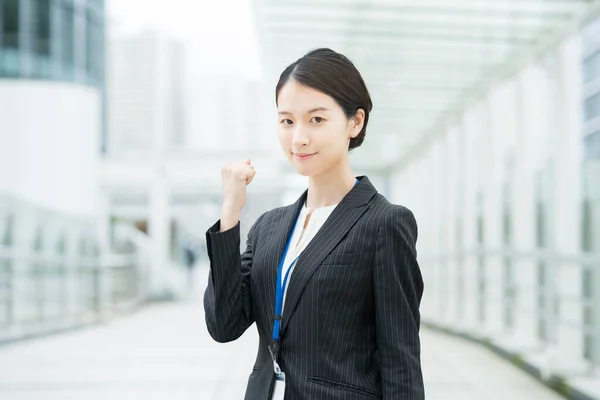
303, 156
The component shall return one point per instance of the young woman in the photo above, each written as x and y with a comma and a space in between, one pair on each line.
331, 281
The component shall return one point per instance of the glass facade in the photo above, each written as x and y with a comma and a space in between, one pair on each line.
591, 67
591, 145
590, 217
592, 107
59, 40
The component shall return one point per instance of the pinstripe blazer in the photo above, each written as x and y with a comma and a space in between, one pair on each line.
350, 327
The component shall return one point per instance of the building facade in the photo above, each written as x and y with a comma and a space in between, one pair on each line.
59, 40
51, 101
591, 136
51, 136
145, 93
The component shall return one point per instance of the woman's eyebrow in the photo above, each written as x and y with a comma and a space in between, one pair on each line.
283, 112
317, 109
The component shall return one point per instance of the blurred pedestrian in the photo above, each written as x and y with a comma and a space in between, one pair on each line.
190, 249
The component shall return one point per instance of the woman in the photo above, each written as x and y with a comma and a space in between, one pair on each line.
331, 281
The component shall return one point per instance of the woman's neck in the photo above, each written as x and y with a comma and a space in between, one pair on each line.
329, 188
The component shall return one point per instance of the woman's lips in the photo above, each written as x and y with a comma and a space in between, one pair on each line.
303, 156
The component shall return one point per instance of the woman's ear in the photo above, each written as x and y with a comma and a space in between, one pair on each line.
357, 122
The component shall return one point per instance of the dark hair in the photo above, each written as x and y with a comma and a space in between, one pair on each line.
336, 76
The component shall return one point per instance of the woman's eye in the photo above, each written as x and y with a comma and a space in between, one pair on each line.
318, 120
286, 121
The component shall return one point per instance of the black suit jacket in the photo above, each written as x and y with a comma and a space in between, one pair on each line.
350, 327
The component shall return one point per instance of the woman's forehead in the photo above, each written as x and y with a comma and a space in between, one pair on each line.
296, 99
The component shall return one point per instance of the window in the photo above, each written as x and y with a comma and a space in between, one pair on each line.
592, 107
94, 47
590, 220
41, 21
6, 271
61, 244
481, 270
68, 39
10, 24
96, 5
6, 239
591, 67
508, 267
591, 146
460, 282
41, 38
546, 306
590, 35
38, 242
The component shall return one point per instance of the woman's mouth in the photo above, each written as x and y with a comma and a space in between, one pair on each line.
303, 156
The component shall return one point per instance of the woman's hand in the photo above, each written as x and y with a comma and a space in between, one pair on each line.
235, 177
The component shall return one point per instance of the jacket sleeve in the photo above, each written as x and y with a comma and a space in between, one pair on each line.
227, 299
398, 288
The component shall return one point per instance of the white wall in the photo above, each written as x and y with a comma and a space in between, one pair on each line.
49, 139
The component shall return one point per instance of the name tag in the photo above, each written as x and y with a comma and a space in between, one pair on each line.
279, 387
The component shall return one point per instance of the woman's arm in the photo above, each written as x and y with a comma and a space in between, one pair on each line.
227, 300
398, 290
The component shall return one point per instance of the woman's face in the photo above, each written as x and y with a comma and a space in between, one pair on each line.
313, 130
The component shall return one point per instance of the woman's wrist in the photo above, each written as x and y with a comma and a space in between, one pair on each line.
229, 219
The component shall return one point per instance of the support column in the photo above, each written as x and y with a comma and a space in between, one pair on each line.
524, 211
103, 233
567, 206
435, 166
159, 235
469, 214
491, 182
451, 178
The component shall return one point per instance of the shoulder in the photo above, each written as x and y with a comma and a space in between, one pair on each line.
391, 214
269, 216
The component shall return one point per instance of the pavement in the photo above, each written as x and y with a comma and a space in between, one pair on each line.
164, 351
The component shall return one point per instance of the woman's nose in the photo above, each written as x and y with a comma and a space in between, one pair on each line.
299, 137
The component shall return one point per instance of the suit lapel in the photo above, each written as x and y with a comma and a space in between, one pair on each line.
279, 232
343, 217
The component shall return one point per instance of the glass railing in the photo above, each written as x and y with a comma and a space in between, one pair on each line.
53, 275
552, 306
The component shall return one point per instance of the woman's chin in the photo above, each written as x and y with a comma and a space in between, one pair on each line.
303, 170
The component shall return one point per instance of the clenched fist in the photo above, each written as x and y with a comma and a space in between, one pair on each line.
235, 177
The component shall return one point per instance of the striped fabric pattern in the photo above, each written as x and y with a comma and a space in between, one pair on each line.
350, 329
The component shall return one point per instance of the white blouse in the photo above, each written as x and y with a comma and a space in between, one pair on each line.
301, 237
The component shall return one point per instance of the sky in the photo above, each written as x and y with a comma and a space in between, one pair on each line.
219, 35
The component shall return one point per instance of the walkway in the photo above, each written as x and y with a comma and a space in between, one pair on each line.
165, 352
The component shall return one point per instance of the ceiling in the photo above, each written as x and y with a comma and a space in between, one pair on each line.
421, 59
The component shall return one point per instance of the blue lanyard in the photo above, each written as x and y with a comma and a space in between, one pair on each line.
280, 287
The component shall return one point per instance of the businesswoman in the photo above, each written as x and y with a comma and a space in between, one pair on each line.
331, 281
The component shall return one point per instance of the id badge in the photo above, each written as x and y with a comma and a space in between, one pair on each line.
279, 387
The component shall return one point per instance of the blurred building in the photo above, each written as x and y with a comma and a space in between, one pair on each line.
51, 96
145, 93
51, 134
230, 113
